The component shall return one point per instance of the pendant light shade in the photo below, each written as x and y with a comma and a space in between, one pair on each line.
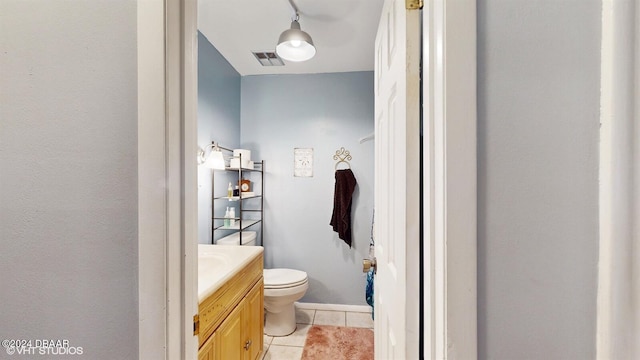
295, 44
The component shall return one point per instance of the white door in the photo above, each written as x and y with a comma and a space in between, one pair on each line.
397, 182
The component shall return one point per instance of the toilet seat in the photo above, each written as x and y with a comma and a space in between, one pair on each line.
283, 278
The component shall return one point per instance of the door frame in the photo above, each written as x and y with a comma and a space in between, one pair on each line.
449, 178
167, 181
618, 312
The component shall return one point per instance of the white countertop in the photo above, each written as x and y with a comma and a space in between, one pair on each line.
219, 263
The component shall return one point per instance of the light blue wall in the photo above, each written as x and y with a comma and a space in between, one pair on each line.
323, 112
538, 123
218, 120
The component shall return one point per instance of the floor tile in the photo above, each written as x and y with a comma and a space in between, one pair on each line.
335, 318
305, 316
277, 352
359, 320
296, 339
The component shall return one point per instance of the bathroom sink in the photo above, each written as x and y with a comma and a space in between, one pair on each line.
218, 263
212, 263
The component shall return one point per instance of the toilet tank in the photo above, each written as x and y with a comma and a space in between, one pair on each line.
248, 238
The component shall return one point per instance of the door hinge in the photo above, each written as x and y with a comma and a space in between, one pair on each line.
414, 4
196, 324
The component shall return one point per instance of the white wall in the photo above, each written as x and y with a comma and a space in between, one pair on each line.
68, 160
538, 124
636, 209
324, 112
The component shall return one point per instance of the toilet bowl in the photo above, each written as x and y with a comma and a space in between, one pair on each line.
282, 287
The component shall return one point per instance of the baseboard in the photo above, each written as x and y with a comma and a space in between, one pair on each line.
334, 307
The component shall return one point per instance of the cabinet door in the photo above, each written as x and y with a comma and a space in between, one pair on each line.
206, 351
229, 339
253, 321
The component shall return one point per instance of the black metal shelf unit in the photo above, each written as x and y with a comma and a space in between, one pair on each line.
240, 222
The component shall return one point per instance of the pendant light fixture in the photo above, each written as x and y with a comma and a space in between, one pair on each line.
295, 44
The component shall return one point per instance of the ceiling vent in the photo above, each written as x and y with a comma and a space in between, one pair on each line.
268, 58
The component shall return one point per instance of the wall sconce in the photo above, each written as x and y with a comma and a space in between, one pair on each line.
214, 160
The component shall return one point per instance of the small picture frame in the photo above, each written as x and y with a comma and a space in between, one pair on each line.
303, 162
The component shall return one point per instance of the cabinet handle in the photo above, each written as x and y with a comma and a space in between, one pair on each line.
247, 345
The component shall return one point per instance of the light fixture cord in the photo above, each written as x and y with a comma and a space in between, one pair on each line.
295, 10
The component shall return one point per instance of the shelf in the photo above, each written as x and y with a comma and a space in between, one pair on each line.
236, 198
245, 224
257, 167
243, 169
239, 175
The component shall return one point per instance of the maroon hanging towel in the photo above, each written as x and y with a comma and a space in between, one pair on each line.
341, 217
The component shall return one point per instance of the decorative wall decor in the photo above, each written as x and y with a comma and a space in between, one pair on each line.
303, 162
343, 156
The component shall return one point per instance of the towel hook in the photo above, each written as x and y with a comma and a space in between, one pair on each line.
343, 156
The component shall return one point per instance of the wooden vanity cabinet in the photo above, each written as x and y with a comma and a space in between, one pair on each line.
239, 335
206, 351
253, 320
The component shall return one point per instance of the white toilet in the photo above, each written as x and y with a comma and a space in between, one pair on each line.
282, 287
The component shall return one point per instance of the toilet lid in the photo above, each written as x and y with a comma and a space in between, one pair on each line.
281, 278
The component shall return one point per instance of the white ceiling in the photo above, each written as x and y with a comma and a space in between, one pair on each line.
343, 32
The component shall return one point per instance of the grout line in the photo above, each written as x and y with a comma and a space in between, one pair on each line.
333, 307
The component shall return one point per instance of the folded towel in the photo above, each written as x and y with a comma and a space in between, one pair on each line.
341, 217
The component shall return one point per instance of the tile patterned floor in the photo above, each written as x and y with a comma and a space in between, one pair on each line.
290, 347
